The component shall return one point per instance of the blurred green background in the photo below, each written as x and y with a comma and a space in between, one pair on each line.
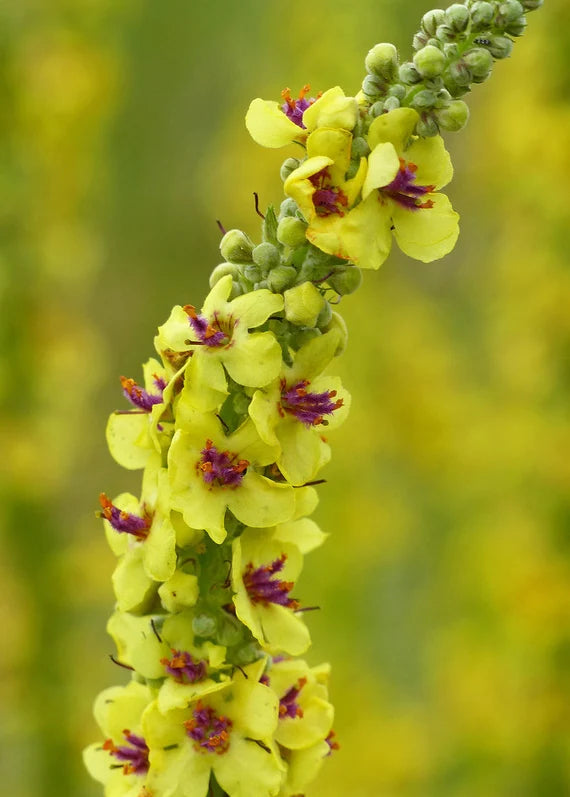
444, 584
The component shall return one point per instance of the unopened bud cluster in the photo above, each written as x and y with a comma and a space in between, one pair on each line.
454, 49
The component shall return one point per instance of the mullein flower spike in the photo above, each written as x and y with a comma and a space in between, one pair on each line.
230, 429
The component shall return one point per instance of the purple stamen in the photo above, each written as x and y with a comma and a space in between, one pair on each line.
209, 334
141, 398
124, 522
403, 189
220, 468
135, 757
210, 733
326, 198
183, 668
309, 408
294, 109
288, 706
262, 588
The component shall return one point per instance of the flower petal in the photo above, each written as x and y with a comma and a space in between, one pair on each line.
433, 161
383, 166
396, 126
426, 234
332, 109
269, 126
256, 361
261, 502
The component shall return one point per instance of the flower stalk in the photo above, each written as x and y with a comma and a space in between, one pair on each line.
230, 430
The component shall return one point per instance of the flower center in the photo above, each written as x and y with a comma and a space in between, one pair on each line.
288, 706
221, 468
134, 754
263, 588
326, 198
210, 733
139, 397
213, 334
183, 668
307, 407
404, 191
294, 109
125, 522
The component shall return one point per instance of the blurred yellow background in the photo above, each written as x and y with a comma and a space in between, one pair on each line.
444, 584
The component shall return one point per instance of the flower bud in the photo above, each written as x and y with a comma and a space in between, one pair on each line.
409, 74
445, 33
325, 316
424, 99
482, 14
391, 103
429, 62
531, 5
432, 19
279, 278
221, 271
460, 73
266, 256
372, 86
231, 631
377, 109
289, 165
288, 208
338, 323
479, 61
236, 247
252, 273
204, 625
346, 281
509, 11
454, 117
500, 47
427, 127
443, 98
457, 15
451, 50
382, 61
303, 303
516, 28
420, 40
397, 90
360, 147
291, 232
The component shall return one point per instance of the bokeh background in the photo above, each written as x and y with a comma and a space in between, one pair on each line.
444, 583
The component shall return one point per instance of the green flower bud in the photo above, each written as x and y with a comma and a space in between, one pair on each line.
454, 117
433, 83
346, 281
429, 62
289, 165
460, 73
377, 109
236, 247
252, 273
409, 74
221, 271
397, 90
231, 632
246, 654
382, 61
303, 303
266, 256
516, 28
391, 103
443, 99
432, 19
531, 5
457, 16
204, 625
427, 127
291, 232
360, 147
509, 11
445, 33
372, 86
325, 316
423, 99
482, 14
287, 208
479, 62
500, 47
338, 323
420, 40
279, 278
258, 286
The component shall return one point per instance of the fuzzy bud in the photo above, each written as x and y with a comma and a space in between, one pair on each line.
252, 273
372, 86
409, 74
236, 247
391, 103
303, 303
429, 62
382, 61
445, 33
377, 109
432, 19
454, 117
397, 90
531, 5
204, 625
516, 28
360, 148
479, 61
291, 232
221, 271
287, 208
289, 165
457, 15
266, 256
427, 127
423, 99
420, 40
460, 73
482, 14
280, 278
337, 322
346, 281
325, 316
500, 47
509, 11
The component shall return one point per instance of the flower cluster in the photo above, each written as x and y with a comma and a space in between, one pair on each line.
230, 431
